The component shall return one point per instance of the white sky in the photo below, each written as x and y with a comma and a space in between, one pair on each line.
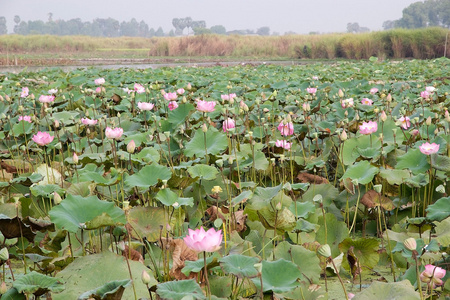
301, 16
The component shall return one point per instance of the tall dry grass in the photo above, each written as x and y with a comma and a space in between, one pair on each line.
397, 43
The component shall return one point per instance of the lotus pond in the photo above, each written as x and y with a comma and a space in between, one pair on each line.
246, 182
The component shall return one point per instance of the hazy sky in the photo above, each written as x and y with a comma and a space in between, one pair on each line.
301, 16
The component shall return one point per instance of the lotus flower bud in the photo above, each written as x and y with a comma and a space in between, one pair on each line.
131, 147
428, 121
341, 93
440, 189
219, 163
4, 254
56, 124
56, 198
389, 98
410, 244
189, 86
258, 267
3, 288
383, 116
325, 250
204, 128
230, 160
343, 135
377, 188
146, 279
75, 158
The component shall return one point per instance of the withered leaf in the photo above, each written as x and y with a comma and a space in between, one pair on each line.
15, 228
310, 178
180, 253
132, 254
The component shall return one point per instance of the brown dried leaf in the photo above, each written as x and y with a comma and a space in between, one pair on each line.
372, 199
132, 254
180, 253
239, 217
15, 228
348, 185
310, 178
116, 98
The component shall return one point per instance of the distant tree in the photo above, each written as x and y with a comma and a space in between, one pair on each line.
275, 33
177, 23
17, 21
159, 32
290, 33
263, 30
218, 29
201, 30
50, 17
151, 32
423, 14
355, 28
143, 29
3, 27
171, 33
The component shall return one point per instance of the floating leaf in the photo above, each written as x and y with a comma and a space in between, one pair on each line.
74, 212
148, 176
362, 171
112, 290
388, 291
177, 290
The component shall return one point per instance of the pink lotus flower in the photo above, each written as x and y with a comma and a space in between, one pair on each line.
170, 96
225, 97
366, 101
350, 296
432, 275
425, 95
25, 92
201, 240
404, 122
87, 121
283, 144
113, 133
286, 128
228, 124
145, 106
206, 106
98, 90
232, 96
368, 127
25, 118
99, 81
383, 116
46, 98
52, 91
172, 105
311, 90
427, 148
180, 91
138, 88
373, 91
347, 103
42, 138
315, 77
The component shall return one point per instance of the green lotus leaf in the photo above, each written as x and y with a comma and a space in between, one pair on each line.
365, 249
336, 232
440, 162
147, 221
241, 197
203, 171
216, 142
388, 291
439, 210
394, 176
179, 115
22, 127
148, 176
148, 154
239, 265
278, 276
306, 260
362, 171
74, 212
13, 294
199, 264
177, 290
112, 290
37, 284
326, 190
414, 160
46, 190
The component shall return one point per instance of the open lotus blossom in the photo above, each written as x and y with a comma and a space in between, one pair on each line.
206, 106
368, 127
52, 91
430, 89
99, 81
315, 77
286, 128
283, 144
350, 296
366, 101
170, 96
46, 98
425, 95
225, 97
113, 133
404, 122
145, 105
201, 240
25, 118
87, 121
427, 148
180, 91
42, 138
228, 124
347, 103
138, 88
24, 92
373, 91
311, 90
432, 275
172, 105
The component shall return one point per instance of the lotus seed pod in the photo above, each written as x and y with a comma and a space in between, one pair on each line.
440, 189
4, 254
377, 188
325, 250
410, 244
